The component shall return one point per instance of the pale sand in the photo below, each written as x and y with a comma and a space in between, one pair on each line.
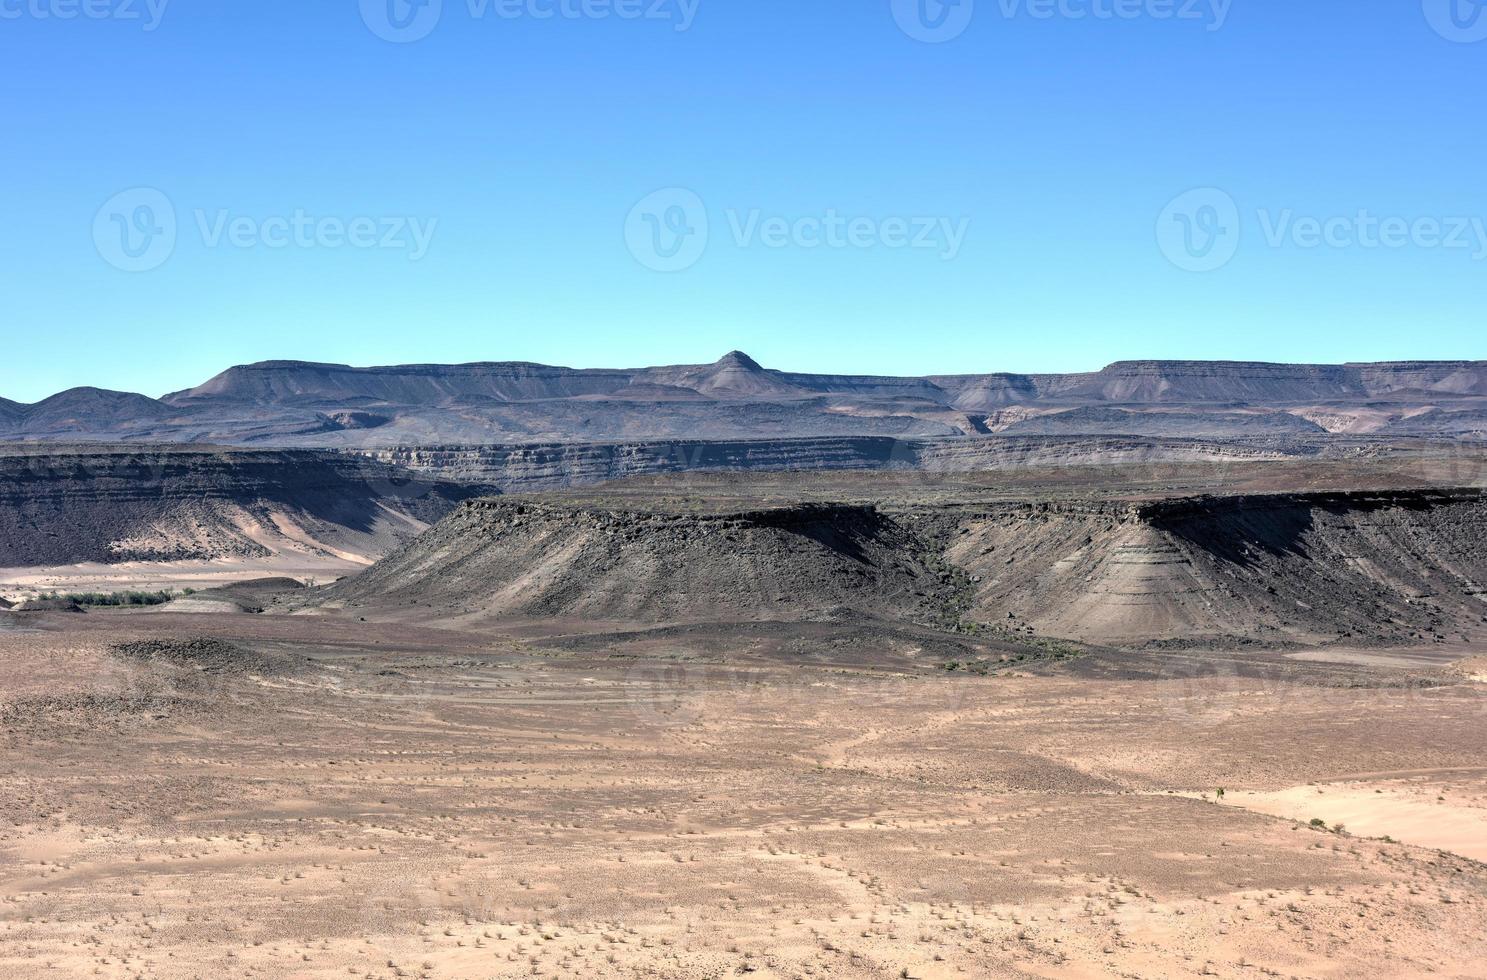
419, 803
16, 583
1426, 813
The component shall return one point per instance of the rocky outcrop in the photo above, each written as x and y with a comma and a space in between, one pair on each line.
501, 558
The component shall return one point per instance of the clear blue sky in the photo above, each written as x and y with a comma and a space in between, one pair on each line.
1055, 143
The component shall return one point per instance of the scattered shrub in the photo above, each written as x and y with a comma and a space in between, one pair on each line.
127, 598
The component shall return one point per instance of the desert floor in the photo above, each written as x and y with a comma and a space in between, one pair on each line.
389, 801
27, 582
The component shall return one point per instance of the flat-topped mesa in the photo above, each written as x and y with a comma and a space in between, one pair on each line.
1220, 382
271, 383
1177, 508
1368, 567
656, 563
1217, 382
1201, 382
300, 403
1446, 377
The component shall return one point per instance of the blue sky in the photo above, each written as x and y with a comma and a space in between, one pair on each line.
499, 177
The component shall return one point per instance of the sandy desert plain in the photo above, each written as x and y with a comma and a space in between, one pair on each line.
1184, 722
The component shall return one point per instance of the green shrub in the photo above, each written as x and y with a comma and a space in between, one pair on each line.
126, 598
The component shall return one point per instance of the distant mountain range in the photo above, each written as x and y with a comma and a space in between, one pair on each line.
296, 403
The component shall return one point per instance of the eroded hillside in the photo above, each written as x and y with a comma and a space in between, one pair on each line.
1306, 568
96, 504
499, 557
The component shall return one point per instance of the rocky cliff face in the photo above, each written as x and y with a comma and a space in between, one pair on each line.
110, 505
554, 466
1389, 567
1448, 377
1192, 424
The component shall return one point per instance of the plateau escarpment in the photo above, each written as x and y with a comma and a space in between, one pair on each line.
97, 504
555, 466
